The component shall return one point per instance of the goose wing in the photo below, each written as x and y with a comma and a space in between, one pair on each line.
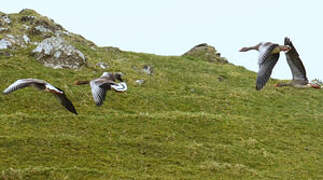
99, 89
65, 102
295, 63
22, 83
267, 61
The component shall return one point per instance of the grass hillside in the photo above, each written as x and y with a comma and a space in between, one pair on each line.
191, 119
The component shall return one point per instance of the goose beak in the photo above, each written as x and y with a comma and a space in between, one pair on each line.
285, 48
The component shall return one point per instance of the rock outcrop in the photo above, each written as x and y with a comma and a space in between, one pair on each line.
102, 65
205, 52
55, 52
148, 69
11, 41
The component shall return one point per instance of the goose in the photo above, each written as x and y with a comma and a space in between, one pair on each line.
45, 86
297, 68
268, 57
105, 82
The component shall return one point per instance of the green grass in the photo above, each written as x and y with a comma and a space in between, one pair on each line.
182, 123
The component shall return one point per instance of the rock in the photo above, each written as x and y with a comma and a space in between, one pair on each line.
27, 19
102, 65
205, 52
2, 29
5, 19
5, 44
60, 33
54, 52
11, 41
26, 39
16, 41
26, 27
148, 69
42, 29
140, 81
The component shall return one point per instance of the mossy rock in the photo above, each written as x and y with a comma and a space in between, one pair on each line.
205, 52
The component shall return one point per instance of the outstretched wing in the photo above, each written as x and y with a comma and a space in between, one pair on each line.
65, 102
267, 61
22, 83
295, 63
99, 89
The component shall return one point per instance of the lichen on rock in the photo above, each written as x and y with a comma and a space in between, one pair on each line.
5, 44
205, 52
55, 52
148, 69
10, 41
5, 19
102, 65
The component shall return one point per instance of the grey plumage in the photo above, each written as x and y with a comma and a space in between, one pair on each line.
267, 61
295, 64
42, 85
101, 85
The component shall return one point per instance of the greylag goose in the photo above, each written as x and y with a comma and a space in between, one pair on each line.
105, 82
298, 70
45, 86
268, 57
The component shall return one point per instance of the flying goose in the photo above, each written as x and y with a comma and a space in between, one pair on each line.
45, 86
268, 57
105, 82
298, 70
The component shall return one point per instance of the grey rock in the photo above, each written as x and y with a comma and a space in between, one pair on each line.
11, 36
42, 29
2, 29
26, 39
102, 65
140, 81
60, 33
11, 41
27, 18
148, 69
5, 44
26, 27
54, 52
6, 19
205, 52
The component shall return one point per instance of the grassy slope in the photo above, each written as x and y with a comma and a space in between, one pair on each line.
183, 123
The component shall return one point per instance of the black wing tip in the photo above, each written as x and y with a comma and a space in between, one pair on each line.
98, 104
71, 108
287, 41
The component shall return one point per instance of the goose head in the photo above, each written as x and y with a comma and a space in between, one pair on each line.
118, 76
